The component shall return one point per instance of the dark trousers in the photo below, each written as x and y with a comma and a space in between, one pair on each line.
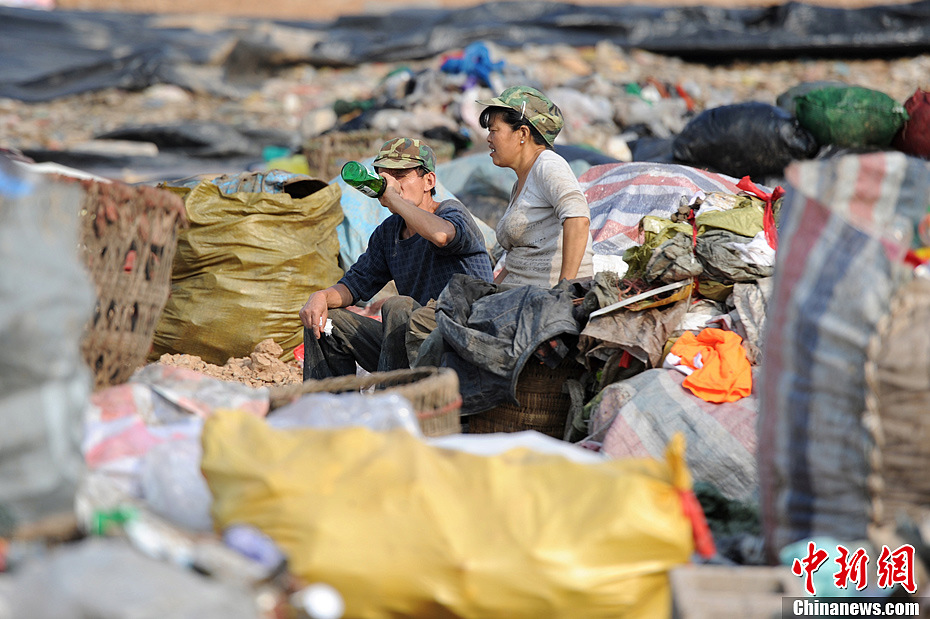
376, 346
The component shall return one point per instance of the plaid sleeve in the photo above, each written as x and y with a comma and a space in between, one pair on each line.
370, 272
468, 238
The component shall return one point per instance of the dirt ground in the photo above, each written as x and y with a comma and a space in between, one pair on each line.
289, 101
294, 100
322, 11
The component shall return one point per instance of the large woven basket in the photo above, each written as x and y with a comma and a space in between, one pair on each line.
327, 153
129, 236
433, 393
543, 405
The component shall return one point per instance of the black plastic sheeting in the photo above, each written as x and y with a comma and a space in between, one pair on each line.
702, 33
45, 55
184, 149
49, 54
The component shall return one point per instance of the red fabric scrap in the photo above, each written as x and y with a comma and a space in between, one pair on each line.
768, 218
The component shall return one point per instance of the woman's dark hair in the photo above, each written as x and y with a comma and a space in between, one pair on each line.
514, 120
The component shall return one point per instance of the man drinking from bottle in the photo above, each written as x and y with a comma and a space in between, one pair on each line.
420, 246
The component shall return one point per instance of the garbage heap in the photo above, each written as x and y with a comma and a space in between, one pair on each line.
740, 385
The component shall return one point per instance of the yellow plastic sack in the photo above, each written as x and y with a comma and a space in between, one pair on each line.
405, 529
245, 266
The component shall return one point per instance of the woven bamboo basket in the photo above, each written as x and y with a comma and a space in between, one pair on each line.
433, 393
327, 153
128, 239
543, 406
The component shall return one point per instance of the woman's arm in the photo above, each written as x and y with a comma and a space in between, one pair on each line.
574, 242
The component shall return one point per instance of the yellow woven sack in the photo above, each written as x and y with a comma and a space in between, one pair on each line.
405, 529
244, 268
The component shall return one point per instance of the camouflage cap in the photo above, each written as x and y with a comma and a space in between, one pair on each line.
536, 107
403, 153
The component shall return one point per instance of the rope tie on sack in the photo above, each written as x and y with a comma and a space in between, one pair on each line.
768, 217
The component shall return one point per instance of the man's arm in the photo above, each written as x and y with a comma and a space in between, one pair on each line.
315, 311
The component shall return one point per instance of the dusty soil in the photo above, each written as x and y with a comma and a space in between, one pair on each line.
260, 369
289, 101
322, 11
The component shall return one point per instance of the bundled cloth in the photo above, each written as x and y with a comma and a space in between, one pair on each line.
715, 363
491, 330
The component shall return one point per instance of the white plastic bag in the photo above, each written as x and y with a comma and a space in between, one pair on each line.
380, 412
173, 485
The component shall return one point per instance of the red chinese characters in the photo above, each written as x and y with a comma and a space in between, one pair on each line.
808, 565
895, 567
852, 567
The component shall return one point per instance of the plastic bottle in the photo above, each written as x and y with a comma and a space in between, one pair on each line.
361, 178
103, 520
923, 230
901, 233
255, 545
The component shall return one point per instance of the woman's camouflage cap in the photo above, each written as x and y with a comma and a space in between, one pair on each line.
536, 107
403, 153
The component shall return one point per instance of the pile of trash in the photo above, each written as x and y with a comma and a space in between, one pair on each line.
695, 382
624, 103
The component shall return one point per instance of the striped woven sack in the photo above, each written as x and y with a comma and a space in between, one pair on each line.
621, 194
636, 417
846, 224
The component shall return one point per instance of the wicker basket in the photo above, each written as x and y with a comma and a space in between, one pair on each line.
129, 236
433, 393
327, 153
543, 406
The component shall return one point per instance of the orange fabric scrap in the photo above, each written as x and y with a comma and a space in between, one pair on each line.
722, 373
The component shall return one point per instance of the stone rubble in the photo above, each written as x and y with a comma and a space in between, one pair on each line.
262, 368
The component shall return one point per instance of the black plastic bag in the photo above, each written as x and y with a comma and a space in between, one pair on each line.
746, 139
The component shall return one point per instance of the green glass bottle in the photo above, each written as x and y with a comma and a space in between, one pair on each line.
358, 176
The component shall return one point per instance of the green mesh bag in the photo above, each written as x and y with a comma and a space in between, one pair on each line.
850, 116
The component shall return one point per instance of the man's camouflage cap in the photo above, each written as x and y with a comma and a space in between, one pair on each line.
536, 107
403, 153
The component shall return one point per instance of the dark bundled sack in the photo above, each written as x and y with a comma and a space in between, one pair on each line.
914, 136
786, 100
851, 117
745, 139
